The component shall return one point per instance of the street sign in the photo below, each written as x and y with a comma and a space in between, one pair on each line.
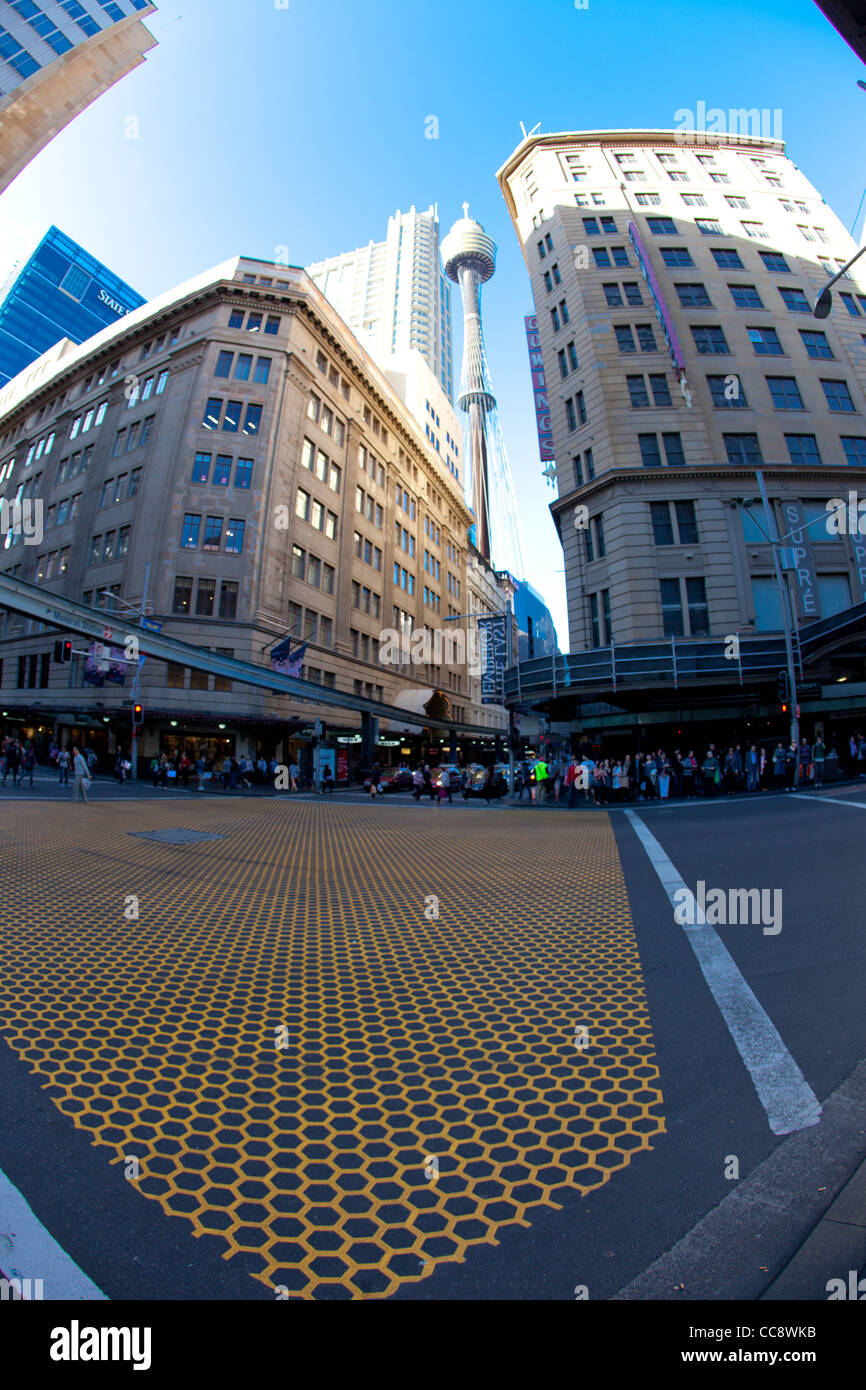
150, 625
318, 728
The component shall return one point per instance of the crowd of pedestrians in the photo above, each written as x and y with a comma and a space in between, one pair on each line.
662, 776
17, 760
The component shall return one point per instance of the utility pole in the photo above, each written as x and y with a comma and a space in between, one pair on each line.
787, 611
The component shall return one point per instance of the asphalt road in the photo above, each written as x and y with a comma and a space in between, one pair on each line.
809, 979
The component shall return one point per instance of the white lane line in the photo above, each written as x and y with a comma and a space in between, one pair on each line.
834, 801
789, 1101
28, 1251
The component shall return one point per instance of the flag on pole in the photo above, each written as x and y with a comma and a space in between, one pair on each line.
285, 661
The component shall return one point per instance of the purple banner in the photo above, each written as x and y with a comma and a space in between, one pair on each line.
662, 314
543, 421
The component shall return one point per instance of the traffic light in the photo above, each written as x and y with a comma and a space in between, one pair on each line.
63, 651
137, 716
784, 693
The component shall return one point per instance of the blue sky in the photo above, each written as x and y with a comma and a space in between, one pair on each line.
304, 126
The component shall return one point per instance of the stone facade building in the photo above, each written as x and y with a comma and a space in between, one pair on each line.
229, 457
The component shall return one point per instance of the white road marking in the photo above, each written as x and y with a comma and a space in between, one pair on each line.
834, 801
28, 1251
789, 1101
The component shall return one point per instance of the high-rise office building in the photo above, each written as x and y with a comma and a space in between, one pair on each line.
674, 280
60, 292
55, 59
394, 296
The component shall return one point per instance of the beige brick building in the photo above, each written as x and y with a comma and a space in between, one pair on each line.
53, 68
674, 278
231, 452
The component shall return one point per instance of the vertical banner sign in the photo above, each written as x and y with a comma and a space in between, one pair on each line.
661, 308
342, 766
543, 421
494, 646
807, 589
858, 548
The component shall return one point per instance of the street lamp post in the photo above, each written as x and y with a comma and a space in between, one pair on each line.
787, 611
825, 299
141, 613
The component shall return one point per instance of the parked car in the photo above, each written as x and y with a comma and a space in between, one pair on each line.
393, 779
475, 783
453, 772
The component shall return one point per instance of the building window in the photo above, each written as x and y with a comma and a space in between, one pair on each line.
201, 468
302, 505
206, 595
710, 341
613, 296
774, 262
222, 470
855, 450
244, 473
190, 533
672, 609
212, 414
765, 341
694, 296
660, 515
816, 343
213, 533
624, 339
263, 371
727, 259
699, 619
244, 366
676, 256
638, 394
784, 392
838, 396
224, 364
182, 594
795, 300
299, 559
662, 226
649, 451
803, 448
727, 393
743, 449
235, 536
745, 297
228, 599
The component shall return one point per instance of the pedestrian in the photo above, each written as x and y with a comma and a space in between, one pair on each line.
753, 769
791, 765
429, 789
804, 761
779, 766
28, 763
488, 790
63, 761
690, 768
819, 754
327, 779
445, 786
294, 774
571, 777
711, 771
542, 776
81, 773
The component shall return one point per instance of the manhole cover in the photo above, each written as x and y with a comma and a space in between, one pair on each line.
175, 837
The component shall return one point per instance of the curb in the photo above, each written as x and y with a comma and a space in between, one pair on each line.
806, 1199
836, 1246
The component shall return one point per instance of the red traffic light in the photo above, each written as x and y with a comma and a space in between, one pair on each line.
137, 714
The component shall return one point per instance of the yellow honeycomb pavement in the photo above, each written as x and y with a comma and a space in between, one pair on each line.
412, 1043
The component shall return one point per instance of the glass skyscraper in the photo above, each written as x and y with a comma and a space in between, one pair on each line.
60, 292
